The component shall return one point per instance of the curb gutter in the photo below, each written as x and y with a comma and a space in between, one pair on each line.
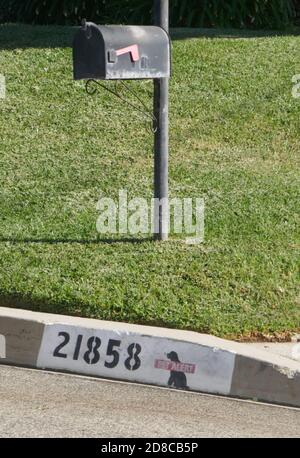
149, 355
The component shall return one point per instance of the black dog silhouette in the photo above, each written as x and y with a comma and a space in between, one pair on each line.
177, 379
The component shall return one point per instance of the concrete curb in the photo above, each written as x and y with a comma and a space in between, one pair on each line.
156, 356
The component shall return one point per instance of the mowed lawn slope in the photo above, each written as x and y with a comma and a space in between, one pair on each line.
234, 140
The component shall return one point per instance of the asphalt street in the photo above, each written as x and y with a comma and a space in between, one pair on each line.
44, 404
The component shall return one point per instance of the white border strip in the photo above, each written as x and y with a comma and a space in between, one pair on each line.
137, 358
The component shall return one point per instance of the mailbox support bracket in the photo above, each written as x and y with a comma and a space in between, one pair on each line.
144, 110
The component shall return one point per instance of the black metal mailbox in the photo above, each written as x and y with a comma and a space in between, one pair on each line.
113, 52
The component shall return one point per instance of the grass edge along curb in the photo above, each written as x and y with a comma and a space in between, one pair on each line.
149, 355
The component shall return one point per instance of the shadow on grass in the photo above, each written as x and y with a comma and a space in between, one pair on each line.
109, 241
22, 36
188, 33
25, 301
78, 308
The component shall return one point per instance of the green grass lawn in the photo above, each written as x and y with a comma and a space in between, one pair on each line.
234, 140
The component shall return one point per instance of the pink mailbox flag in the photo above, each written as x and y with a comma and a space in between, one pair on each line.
132, 50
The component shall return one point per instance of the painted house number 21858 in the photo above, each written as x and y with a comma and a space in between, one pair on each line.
91, 351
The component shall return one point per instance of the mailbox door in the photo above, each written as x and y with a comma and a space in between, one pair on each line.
89, 59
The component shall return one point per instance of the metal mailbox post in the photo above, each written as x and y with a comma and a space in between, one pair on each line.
161, 139
115, 52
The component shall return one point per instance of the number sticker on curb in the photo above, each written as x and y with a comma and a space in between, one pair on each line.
91, 351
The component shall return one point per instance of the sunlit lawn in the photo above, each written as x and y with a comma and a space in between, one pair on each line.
234, 140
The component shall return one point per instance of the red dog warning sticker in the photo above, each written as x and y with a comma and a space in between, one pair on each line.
173, 366
177, 378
